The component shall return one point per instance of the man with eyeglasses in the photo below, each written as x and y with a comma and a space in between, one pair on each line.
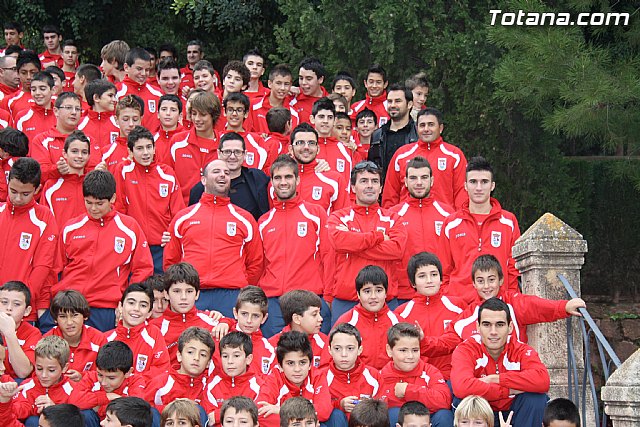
47, 147
248, 185
9, 79
27, 65
364, 234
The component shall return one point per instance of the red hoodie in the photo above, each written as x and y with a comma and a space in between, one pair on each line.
100, 127
426, 385
448, 167
518, 366
34, 121
83, 356
169, 386
220, 240
361, 381
222, 387
303, 104
377, 104
88, 393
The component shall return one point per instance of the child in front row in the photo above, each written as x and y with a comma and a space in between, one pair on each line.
407, 377
112, 378
69, 310
239, 410
298, 412
234, 376
181, 412
561, 412
301, 312
370, 413
128, 411
372, 316
414, 414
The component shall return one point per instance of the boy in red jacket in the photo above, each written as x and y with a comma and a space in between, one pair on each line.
407, 377
239, 410
292, 377
301, 312
299, 411
372, 316
348, 378
39, 117
506, 372
236, 378
112, 378
129, 111
195, 348
100, 122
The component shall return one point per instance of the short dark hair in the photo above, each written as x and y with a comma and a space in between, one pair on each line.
561, 409
366, 113
76, 135
64, 96
376, 69
97, 87
283, 161
401, 330
27, 57
90, 72
344, 75
313, 64
297, 302
155, 282
364, 166
253, 295
297, 409
181, 272
302, 127
280, 70
18, 286
11, 49
139, 287
130, 101
50, 28
14, 142
168, 47
418, 162
412, 407
195, 42
408, 95
99, 184
238, 67
277, 119
370, 413
253, 52
479, 163
231, 136
348, 329
494, 304
54, 70
44, 76
131, 410
115, 356
237, 339
372, 274
486, 263
293, 341
69, 301
240, 404
70, 42
152, 51
138, 133
238, 97
429, 111
195, 333
136, 53
27, 171
323, 104
63, 415
170, 98
342, 116
12, 25
422, 259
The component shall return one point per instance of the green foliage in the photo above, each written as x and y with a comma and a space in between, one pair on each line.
624, 315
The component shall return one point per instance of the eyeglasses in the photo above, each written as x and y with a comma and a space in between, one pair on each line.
366, 165
234, 110
10, 68
228, 153
303, 143
70, 108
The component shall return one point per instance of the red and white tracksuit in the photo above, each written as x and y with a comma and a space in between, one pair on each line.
377, 104
82, 357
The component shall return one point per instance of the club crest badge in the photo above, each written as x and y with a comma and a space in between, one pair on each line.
316, 194
88, 366
496, 239
118, 246
25, 240
231, 229
302, 229
250, 158
141, 362
113, 136
340, 165
265, 365
164, 190
316, 361
442, 163
438, 225
152, 105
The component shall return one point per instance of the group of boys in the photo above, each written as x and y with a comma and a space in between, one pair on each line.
363, 291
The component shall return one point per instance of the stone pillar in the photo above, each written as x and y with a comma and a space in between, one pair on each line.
550, 247
621, 394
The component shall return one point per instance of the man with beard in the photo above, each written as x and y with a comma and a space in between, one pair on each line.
421, 214
398, 131
296, 250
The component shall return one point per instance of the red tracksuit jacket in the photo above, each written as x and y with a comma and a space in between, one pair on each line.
263, 352
279, 140
83, 356
28, 336
5, 119
169, 386
34, 121
23, 404
28, 248
149, 94
362, 381
222, 387
20, 100
434, 314
364, 244
377, 104
276, 389
150, 194
150, 355
297, 254
88, 393
115, 153
462, 241
97, 256
319, 345
424, 217
7, 91
172, 324
100, 127
47, 58
303, 104
337, 155
163, 140
47, 149
64, 197
187, 156
220, 240
448, 167
518, 365
373, 328
259, 111
426, 385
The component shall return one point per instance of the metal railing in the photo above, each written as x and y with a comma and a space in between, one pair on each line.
609, 361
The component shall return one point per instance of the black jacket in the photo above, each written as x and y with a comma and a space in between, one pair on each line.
378, 149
